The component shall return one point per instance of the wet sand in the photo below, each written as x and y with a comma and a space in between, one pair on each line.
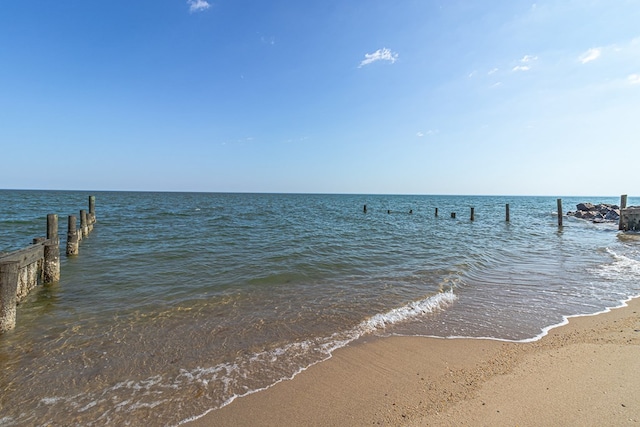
584, 373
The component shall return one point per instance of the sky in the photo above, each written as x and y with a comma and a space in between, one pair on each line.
495, 97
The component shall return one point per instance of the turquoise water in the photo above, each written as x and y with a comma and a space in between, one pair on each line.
180, 302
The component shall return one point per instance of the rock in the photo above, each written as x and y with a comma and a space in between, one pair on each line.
585, 207
612, 215
601, 212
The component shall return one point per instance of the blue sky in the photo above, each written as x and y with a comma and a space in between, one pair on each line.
375, 96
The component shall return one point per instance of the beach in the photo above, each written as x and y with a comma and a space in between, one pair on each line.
181, 303
586, 372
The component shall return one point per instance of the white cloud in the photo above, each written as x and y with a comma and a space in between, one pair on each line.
497, 84
198, 5
591, 55
634, 79
493, 71
430, 132
383, 54
527, 59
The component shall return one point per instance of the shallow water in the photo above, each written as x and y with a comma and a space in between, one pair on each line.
179, 302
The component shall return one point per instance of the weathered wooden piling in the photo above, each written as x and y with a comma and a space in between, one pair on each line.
84, 223
51, 267
559, 212
8, 294
473, 214
365, 209
506, 212
623, 201
436, 212
22, 270
629, 218
92, 208
453, 214
72, 237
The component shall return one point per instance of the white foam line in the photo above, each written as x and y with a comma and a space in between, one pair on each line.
376, 322
236, 396
543, 333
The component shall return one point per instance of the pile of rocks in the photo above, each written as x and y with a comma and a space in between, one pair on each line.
597, 213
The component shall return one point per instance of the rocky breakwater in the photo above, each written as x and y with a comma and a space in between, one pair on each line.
602, 212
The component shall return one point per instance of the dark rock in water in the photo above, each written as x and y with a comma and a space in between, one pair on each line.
612, 215
602, 212
585, 207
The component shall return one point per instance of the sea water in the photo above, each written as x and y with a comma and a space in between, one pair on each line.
178, 303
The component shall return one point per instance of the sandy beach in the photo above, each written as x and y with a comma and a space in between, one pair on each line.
584, 373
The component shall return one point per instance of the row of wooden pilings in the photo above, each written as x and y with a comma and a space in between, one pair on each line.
22, 270
623, 205
453, 214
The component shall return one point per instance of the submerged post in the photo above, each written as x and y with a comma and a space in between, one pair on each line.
623, 201
473, 214
51, 266
506, 209
559, 212
436, 211
365, 209
8, 295
72, 236
453, 214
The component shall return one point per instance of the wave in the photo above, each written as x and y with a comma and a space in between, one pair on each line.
325, 347
223, 382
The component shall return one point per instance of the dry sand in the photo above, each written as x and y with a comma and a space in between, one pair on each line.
586, 373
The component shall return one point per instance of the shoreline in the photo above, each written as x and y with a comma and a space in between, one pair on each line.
585, 368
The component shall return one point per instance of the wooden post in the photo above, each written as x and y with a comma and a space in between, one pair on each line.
92, 208
507, 212
72, 237
52, 251
436, 212
559, 212
8, 295
623, 201
91, 214
453, 214
473, 214
365, 209
84, 227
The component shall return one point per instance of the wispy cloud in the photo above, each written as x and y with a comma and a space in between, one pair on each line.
591, 55
383, 54
524, 63
430, 132
634, 79
493, 71
198, 5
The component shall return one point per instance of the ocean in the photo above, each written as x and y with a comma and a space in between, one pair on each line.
179, 303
